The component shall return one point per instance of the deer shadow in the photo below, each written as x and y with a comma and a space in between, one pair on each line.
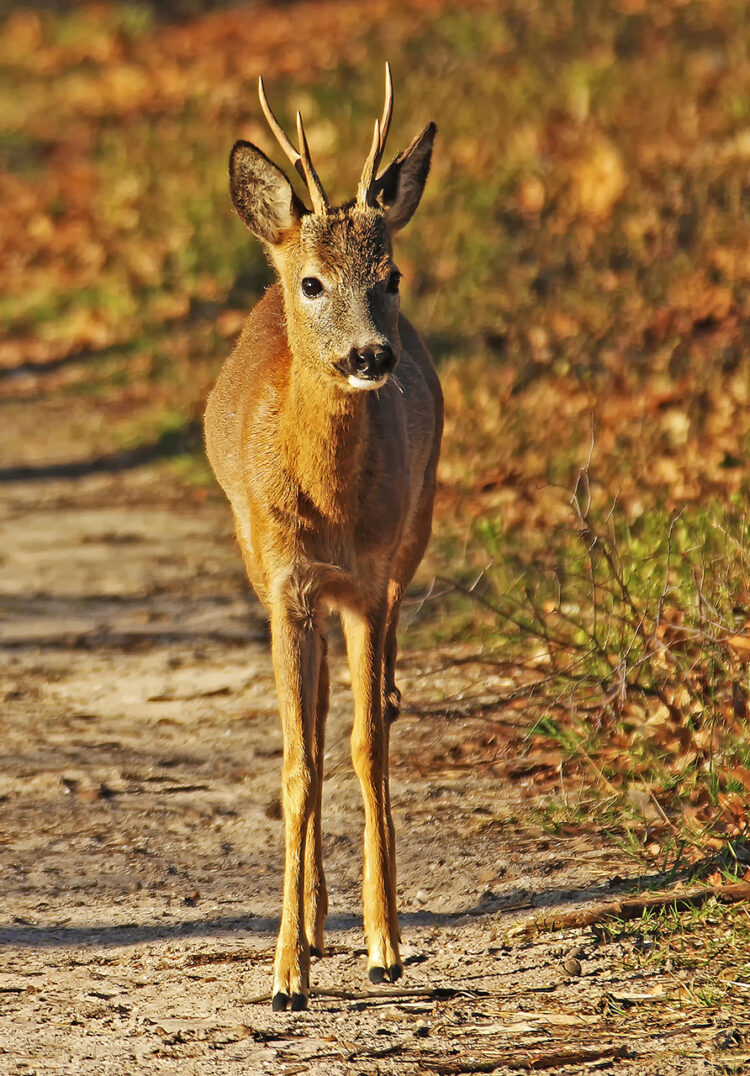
27, 936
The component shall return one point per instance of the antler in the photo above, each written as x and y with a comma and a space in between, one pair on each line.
301, 160
366, 189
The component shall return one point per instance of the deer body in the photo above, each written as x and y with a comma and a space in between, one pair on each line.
328, 459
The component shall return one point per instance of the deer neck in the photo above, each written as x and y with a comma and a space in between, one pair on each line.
324, 434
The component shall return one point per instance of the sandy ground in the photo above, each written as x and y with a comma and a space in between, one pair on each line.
141, 840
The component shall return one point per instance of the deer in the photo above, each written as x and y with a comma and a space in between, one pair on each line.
324, 430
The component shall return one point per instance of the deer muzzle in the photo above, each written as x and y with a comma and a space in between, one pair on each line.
368, 367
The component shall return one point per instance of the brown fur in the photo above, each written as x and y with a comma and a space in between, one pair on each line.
332, 490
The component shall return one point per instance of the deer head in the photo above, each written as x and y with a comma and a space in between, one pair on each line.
336, 265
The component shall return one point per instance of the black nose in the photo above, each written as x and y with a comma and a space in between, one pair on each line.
371, 362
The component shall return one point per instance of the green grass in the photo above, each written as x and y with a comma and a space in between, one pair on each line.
702, 952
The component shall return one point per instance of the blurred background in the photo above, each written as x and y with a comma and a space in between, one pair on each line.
579, 267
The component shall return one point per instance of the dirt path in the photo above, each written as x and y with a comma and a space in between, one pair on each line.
141, 842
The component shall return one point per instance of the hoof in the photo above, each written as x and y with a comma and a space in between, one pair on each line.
314, 951
382, 975
281, 1001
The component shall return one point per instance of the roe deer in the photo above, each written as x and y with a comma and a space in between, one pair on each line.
328, 458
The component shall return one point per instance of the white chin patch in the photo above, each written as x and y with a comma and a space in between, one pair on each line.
365, 382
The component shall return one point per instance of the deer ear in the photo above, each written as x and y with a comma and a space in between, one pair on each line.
261, 193
403, 181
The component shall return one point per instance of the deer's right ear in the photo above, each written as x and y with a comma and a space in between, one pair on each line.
261, 193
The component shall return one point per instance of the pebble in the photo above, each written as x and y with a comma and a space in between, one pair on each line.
572, 965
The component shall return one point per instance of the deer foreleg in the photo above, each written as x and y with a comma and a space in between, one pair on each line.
297, 653
365, 641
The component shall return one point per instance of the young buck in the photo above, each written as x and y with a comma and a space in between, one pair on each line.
324, 431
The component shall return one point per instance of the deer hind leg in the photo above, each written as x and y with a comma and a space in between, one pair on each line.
406, 564
316, 894
297, 655
365, 637
391, 694
391, 710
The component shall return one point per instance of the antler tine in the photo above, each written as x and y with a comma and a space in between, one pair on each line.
370, 170
300, 160
385, 123
371, 164
314, 186
278, 130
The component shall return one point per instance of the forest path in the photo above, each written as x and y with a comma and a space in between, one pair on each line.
142, 840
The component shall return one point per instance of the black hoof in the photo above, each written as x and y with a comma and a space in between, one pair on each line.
299, 1002
280, 1002
381, 975
314, 951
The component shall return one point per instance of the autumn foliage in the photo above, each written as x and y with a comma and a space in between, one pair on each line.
581, 268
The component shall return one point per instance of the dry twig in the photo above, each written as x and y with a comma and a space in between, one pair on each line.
633, 908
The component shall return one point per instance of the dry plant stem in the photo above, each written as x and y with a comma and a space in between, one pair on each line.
591, 539
536, 1061
633, 908
597, 770
493, 608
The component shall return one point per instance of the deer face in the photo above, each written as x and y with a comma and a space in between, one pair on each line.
341, 295
336, 267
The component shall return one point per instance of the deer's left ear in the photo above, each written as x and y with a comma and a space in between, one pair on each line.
402, 183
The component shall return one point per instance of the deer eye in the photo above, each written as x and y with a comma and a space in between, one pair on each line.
393, 282
311, 286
